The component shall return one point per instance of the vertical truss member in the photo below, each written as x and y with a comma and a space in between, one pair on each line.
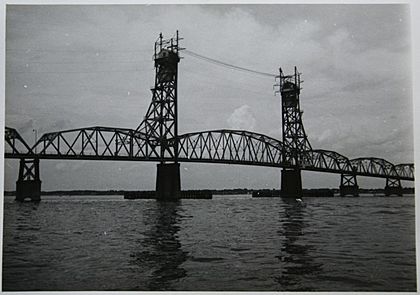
295, 140
161, 122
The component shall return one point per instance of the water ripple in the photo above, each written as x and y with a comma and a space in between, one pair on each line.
270, 244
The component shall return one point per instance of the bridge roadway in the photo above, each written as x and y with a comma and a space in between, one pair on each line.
213, 146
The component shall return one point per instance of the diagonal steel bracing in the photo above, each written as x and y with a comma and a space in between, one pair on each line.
213, 146
160, 122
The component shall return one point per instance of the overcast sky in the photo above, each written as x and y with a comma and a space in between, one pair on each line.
78, 66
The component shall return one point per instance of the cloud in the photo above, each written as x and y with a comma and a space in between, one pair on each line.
242, 118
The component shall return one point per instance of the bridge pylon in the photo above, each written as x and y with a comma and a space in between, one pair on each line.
28, 185
393, 187
348, 185
295, 140
161, 121
291, 183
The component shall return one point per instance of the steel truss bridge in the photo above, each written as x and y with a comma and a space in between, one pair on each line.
156, 139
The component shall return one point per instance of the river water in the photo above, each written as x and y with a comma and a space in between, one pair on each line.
227, 243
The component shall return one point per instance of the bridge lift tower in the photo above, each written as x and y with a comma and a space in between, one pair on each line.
160, 123
295, 140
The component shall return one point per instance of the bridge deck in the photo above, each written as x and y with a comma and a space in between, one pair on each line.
213, 146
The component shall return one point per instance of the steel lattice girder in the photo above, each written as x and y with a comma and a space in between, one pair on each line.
405, 170
294, 136
374, 166
236, 146
213, 146
161, 116
14, 143
101, 142
324, 160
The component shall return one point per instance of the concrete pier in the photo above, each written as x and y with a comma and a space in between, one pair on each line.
349, 190
168, 182
396, 191
291, 183
28, 185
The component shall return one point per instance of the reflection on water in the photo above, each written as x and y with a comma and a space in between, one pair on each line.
295, 252
27, 222
161, 249
231, 244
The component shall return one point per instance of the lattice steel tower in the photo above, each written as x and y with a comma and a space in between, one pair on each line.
295, 140
160, 125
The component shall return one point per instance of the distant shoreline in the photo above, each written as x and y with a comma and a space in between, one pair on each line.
406, 190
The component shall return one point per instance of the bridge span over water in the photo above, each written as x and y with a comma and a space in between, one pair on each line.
157, 139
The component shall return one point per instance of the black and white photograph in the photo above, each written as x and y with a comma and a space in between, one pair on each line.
209, 147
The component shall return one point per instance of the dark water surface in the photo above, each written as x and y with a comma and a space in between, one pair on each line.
228, 243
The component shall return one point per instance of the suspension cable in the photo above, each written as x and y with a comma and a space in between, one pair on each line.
225, 64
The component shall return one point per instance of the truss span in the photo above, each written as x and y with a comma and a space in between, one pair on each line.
213, 146
15, 145
405, 170
326, 161
97, 143
231, 147
330, 161
382, 168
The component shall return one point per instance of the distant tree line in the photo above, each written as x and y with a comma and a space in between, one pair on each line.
235, 191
